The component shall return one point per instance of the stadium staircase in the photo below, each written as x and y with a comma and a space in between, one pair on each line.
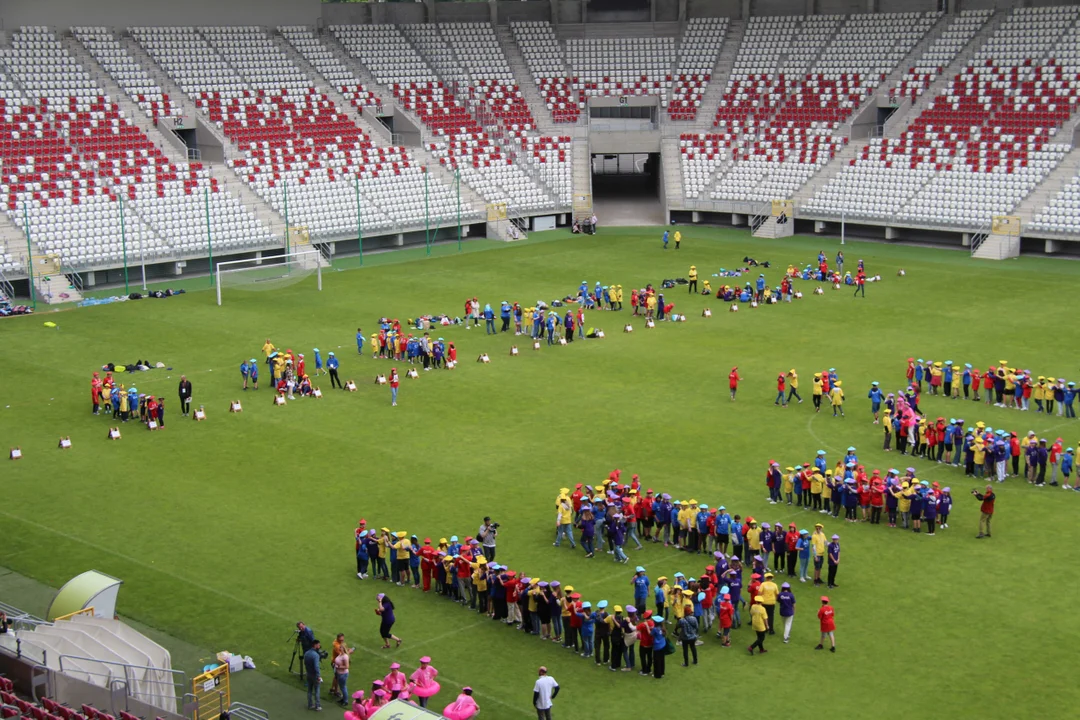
725, 63
769, 228
524, 79
582, 173
673, 187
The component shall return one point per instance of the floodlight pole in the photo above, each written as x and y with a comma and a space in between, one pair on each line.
123, 244
427, 214
359, 221
29, 257
843, 225
457, 182
209, 243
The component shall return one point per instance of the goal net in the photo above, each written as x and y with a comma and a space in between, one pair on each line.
270, 272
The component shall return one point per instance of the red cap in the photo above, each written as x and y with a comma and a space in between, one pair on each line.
578, 486
363, 521
824, 598
427, 541
646, 615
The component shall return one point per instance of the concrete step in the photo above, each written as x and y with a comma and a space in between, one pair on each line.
618, 30
673, 187
524, 79
998, 247
771, 229
55, 289
725, 63
916, 52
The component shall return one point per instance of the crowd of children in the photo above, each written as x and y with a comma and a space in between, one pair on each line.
124, 403
1000, 385
618, 636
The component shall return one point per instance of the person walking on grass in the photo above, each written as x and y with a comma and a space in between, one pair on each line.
660, 643
786, 600
760, 622
733, 381
793, 385
385, 610
185, 395
545, 690
986, 511
665, 239
688, 632
827, 620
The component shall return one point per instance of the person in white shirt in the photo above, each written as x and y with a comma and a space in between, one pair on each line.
544, 692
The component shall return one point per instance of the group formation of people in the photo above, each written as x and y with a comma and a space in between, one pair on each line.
122, 402
288, 371
861, 496
393, 343
622, 637
1001, 385
612, 514
826, 385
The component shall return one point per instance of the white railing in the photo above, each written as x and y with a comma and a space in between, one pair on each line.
763, 213
979, 236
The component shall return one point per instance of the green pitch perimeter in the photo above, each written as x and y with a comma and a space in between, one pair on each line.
227, 532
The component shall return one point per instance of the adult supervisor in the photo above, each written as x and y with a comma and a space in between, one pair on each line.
986, 511
185, 395
487, 534
544, 693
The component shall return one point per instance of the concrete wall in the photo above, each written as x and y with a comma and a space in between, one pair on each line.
124, 13
666, 10
777, 7
613, 143
713, 8
361, 13
462, 12
845, 7
522, 11
570, 11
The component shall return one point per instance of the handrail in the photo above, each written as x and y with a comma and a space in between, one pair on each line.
241, 711
980, 236
763, 213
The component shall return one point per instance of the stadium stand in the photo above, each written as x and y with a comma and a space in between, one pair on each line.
622, 66
697, 55
984, 143
541, 51
72, 156
470, 121
330, 67
296, 149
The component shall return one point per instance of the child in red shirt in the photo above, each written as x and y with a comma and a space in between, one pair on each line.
828, 624
727, 612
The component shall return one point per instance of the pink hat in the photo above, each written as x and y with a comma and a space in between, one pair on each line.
395, 666
379, 693
425, 659
358, 695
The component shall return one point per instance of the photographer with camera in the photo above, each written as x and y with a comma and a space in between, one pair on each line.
487, 533
305, 638
987, 509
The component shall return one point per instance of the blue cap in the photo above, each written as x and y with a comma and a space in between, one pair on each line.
453, 538
639, 569
602, 604
820, 452
851, 448
316, 349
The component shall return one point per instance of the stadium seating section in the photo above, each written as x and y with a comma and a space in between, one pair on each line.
763, 109
16, 708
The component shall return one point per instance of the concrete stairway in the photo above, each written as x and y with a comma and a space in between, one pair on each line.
771, 229
13, 242
904, 116
523, 77
909, 60
582, 174
55, 288
725, 63
998, 247
1047, 190
673, 187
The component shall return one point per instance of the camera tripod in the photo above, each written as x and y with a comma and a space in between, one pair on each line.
295, 640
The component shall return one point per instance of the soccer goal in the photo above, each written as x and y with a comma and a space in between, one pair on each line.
270, 272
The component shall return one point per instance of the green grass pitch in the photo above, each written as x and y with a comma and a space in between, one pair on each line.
227, 532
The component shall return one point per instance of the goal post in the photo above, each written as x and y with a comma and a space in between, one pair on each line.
269, 272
